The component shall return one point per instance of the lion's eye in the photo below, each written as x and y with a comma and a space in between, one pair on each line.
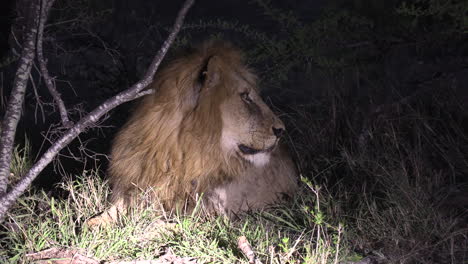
245, 97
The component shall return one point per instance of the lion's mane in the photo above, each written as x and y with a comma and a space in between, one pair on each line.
172, 141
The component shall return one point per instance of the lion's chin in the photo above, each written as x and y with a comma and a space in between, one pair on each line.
258, 160
258, 157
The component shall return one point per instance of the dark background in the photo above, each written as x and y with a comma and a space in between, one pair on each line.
97, 48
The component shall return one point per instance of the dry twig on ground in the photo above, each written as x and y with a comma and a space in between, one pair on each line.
244, 245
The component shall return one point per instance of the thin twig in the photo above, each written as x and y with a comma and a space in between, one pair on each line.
127, 95
58, 255
145, 92
45, 8
38, 101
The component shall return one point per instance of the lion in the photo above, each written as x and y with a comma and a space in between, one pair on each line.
207, 131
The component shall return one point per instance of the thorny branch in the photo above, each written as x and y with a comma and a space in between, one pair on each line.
127, 95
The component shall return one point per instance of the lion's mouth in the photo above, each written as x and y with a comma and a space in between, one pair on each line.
252, 151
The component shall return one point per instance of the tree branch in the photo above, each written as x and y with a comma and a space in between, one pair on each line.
7, 200
46, 5
15, 102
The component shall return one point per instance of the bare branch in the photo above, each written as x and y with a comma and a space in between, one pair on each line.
46, 5
7, 200
15, 102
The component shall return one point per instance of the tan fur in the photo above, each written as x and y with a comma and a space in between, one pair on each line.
183, 140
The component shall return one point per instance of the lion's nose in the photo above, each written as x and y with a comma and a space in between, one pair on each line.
278, 131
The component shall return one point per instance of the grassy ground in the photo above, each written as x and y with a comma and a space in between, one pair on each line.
390, 192
279, 235
299, 232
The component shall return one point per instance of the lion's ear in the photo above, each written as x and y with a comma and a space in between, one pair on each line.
210, 75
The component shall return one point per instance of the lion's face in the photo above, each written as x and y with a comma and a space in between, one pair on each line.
250, 129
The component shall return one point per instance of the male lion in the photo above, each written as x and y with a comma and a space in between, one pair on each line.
204, 130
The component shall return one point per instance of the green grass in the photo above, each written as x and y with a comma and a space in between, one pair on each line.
282, 234
20, 160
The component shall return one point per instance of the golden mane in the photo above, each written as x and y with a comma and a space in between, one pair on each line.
172, 140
